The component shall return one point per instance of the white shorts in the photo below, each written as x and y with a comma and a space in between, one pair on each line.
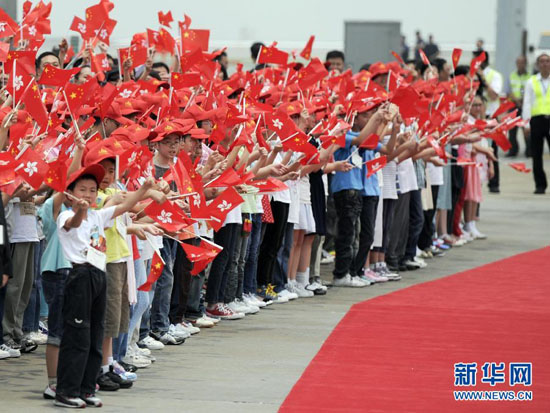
306, 221
378, 230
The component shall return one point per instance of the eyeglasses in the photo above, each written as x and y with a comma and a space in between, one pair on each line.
173, 143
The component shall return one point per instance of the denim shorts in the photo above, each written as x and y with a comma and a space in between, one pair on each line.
53, 286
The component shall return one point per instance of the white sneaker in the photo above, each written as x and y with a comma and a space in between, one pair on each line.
373, 277
12, 352
316, 286
477, 234
178, 331
4, 354
281, 299
38, 337
248, 300
291, 295
348, 281
213, 320
391, 276
190, 328
152, 344
420, 261
202, 322
298, 289
137, 360
246, 308
142, 352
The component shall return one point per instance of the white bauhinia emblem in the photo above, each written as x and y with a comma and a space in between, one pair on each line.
32, 30
224, 206
126, 93
81, 28
133, 157
3, 26
105, 62
17, 82
165, 217
196, 200
277, 124
375, 165
31, 168
103, 34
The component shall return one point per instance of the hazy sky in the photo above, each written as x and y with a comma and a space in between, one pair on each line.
294, 20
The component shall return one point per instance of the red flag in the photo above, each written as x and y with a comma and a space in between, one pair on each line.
501, 140
228, 178
456, 57
4, 51
8, 27
182, 178
476, 62
191, 39
201, 265
375, 165
96, 16
424, 58
56, 177
328, 140
438, 149
189, 59
137, 53
221, 206
31, 168
269, 185
398, 58
78, 25
281, 124
311, 74
166, 42
306, 52
53, 76
156, 270
270, 54
503, 108
18, 83
35, 106
168, 215
190, 79
520, 167
195, 253
25, 59
77, 95
165, 18
371, 142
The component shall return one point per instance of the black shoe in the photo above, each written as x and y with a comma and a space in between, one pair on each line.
106, 384
28, 345
72, 402
128, 367
13, 344
511, 154
494, 190
122, 382
402, 267
540, 191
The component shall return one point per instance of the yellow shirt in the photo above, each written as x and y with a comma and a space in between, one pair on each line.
117, 247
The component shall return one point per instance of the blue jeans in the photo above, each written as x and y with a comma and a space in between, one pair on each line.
139, 308
53, 284
280, 272
251, 265
31, 317
226, 237
160, 307
120, 345
145, 328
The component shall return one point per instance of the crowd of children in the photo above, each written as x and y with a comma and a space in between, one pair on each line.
143, 204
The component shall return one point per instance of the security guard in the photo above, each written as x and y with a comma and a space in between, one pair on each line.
516, 87
536, 107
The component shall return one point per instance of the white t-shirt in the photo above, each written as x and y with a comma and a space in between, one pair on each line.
305, 190
281, 196
497, 85
294, 209
21, 221
90, 233
435, 173
407, 176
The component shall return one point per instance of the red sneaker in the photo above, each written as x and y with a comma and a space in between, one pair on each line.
223, 312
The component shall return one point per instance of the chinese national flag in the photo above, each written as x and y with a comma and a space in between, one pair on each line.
156, 270
375, 165
504, 107
191, 39
311, 74
299, 143
190, 59
77, 95
137, 53
56, 177
270, 54
179, 80
221, 206
520, 167
168, 215
423, 57
166, 42
35, 106
328, 140
31, 168
182, 178
52, 76
96, 16
165, 18
306, 52
25, 59
476, 62
438, 149
501, 140
4, 51
455, 57
371, 142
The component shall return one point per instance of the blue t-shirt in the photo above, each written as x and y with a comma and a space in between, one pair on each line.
342, 181
370, 184
53, 258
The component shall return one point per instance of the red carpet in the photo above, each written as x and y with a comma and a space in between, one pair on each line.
396, 353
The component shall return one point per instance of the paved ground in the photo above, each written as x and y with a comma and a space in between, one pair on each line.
250, 365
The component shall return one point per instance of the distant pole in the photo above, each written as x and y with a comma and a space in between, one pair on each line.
511, 23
